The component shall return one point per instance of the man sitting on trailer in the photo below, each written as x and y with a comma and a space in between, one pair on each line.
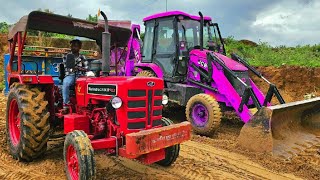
81, 66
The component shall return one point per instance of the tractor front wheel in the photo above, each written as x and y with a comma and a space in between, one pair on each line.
78, 156
172, 152
204, 114
27, 122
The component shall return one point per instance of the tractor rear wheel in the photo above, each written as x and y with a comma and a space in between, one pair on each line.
146, 73
27, 122
204, 114
78, 156
172, 152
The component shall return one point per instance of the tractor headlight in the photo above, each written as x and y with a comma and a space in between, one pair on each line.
116, 102
165, 99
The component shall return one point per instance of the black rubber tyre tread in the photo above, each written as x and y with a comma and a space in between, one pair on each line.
214, 111
34, 122
82, 144
146, 73
172, 152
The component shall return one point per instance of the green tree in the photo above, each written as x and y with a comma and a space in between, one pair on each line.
4, 27
92, 18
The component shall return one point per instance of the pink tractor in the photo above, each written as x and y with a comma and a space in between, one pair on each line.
188, 52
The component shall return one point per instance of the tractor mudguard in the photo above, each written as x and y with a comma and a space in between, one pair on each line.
282, 129
155, 68
31, 79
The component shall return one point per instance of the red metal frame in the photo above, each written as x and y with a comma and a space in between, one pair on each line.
107, 128
117, 138
18, 41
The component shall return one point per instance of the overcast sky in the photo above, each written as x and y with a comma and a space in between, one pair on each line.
278, 22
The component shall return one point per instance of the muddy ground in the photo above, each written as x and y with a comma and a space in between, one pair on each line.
218, 157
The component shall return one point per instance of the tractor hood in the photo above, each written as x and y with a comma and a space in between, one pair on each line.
230, 63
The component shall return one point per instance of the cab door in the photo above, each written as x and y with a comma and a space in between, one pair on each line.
166, 46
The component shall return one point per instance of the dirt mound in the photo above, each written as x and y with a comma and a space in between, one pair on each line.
294, 82
248, 42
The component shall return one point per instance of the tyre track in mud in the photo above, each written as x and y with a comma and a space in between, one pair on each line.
198, 161
230, 163
10, 169
310, 155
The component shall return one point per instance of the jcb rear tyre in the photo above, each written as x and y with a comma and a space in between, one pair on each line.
146, 73
27, 122
172, 152
204, 114
79, 156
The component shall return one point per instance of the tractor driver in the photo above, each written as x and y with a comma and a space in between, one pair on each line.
81, 66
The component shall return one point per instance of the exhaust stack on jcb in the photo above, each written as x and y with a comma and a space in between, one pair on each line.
284, 130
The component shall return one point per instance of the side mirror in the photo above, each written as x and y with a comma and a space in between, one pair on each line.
182, 45
70, 63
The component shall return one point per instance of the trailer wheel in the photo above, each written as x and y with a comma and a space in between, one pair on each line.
146, 73
27, 122
204, 114
78, 156
172, 152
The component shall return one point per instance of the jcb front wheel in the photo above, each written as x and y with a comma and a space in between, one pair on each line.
204, 114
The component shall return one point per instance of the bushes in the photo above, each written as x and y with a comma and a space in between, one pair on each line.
265, 55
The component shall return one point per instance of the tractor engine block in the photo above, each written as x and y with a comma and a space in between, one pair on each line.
98, 121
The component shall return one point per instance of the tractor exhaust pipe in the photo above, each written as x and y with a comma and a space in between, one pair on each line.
106, 39
201, 30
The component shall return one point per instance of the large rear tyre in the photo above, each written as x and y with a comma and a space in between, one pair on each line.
78, 156
27, 122
146, 73
204, 114
172, 152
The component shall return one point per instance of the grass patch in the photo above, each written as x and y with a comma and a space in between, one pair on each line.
265, 55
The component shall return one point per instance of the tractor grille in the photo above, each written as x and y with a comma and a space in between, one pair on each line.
144, 108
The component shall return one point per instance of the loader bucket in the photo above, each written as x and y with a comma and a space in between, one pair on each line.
284, 130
